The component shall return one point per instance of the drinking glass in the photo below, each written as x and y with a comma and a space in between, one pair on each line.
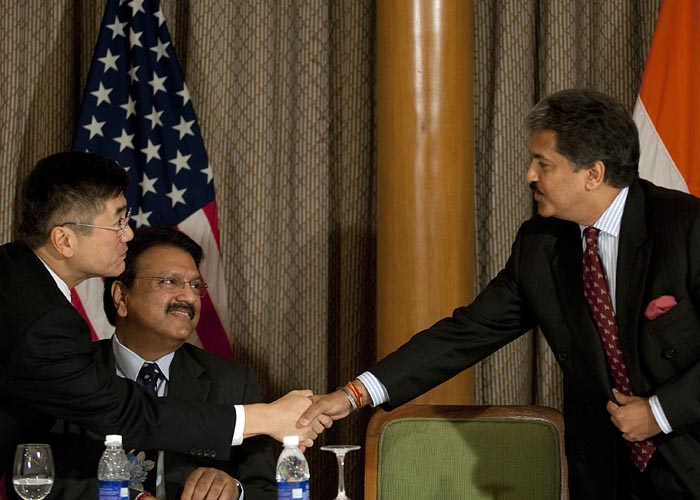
32, 474
340, 450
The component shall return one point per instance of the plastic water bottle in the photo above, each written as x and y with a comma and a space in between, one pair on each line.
113, 470
292, 472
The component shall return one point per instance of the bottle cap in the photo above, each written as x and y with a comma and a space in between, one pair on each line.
113, 439
290, 440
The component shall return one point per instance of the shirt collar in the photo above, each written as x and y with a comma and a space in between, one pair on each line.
62, 285
611, 219
129, 363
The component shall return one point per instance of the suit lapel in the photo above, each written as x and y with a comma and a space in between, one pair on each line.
187, 378
565, 256
634, 254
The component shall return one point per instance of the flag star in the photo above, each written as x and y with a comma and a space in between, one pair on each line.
151, 151
184, 93
95, 128
130, 107
176, 195
160, 50
117, 28
154, 116
148, 185
159, 15
110, 61
132, 73
102, 94
180, 162
125, 140
135, 38
185, 127
157, 83
141, 218
207, 171
136, 6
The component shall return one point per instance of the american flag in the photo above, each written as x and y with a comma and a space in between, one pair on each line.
137, 111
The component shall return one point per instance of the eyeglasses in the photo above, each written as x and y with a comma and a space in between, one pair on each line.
121, 226
175, 285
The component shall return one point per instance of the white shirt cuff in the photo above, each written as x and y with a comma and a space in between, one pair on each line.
240, 425
375, 388
659, 414
241, 493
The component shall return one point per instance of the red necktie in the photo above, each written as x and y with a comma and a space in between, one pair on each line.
595, 289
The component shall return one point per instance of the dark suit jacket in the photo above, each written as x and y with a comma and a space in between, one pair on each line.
541, 284
47, 370
197, 376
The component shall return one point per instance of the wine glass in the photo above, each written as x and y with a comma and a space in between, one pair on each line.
340, 450
32, 474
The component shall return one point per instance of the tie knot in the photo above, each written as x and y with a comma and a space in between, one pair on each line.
591, 235
149, 374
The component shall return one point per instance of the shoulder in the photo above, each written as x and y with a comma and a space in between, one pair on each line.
214, 363
660, 198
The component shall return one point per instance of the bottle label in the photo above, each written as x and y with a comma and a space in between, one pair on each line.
114, 490
297, 490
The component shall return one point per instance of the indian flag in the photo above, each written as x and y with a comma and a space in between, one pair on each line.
667, 111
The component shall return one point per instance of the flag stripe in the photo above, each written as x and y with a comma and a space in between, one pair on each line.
78, 305
669, 90
662, 171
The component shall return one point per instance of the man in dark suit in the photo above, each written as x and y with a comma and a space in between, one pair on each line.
73, 226
609, 270
155, 305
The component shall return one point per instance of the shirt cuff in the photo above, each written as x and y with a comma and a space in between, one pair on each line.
240, 425
659, 414
241, 493
375, 388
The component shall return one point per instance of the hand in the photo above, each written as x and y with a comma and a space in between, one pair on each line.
280, 419
206, 483
633, 416
332, 406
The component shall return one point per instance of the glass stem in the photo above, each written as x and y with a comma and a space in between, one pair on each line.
341, 475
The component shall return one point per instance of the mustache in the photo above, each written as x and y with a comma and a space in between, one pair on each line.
533, 188
181, 306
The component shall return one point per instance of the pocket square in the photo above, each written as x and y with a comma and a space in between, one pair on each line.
660, 305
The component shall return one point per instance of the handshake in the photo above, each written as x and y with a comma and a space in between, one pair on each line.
304, 414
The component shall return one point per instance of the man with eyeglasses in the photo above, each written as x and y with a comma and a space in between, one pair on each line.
155, 305
73, 226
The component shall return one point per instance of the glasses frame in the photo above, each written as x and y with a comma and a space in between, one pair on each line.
121, 229
180, 284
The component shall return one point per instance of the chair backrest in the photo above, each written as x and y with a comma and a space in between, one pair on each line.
466, 453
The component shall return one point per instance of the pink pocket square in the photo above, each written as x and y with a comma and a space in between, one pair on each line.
660, 305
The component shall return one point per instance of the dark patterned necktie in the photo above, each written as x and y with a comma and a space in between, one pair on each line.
149, 376
595, 289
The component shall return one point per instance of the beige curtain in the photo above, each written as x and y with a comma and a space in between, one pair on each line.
283, 90
524, 51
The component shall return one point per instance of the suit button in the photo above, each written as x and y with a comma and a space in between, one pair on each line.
193, 451
212, 454
562, 356
670, 353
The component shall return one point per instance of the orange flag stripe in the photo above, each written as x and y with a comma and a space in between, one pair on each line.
670, 87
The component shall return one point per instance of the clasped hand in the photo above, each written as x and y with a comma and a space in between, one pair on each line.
633, 417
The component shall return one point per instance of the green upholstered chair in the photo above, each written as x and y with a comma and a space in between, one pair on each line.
435, 452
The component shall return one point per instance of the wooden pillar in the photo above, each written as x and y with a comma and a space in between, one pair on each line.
425, 179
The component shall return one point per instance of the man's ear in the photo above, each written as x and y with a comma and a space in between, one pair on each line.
119, 297
63, 241
595, 175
